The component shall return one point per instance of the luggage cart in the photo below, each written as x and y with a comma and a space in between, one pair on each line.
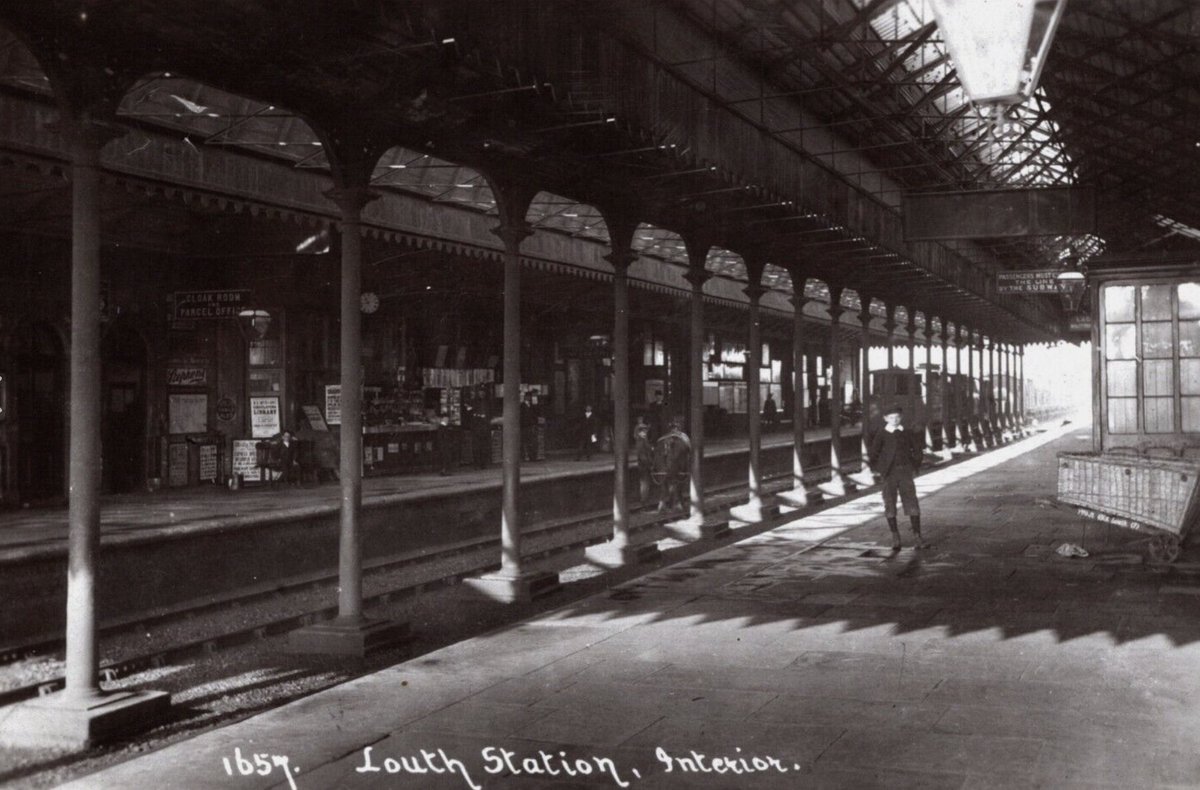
1157, 496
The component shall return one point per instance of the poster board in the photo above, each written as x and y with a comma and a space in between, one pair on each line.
333, 404
177, 465
245, 460
264, 417
187, 413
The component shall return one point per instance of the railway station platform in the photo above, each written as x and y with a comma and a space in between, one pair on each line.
175, 549
808, 655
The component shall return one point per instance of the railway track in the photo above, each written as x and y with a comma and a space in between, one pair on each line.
269, 627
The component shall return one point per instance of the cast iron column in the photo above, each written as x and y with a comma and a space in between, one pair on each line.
618, 551
889, 326
1021, 420
837, 480
83, 508
864, 477
82, 715
910, 327
620, 260
512, 583
1009, 387
510, 513
929, 436
753, 509
351, 202
966, 434
797, 496
697, 275
948, 430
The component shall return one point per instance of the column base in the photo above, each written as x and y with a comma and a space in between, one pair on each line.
59, 721
862, 478
349, 638
836, 486
609, 555
753, 512
795, 499
692, 530
521, 588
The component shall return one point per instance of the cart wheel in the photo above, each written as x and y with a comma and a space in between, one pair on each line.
1164, 548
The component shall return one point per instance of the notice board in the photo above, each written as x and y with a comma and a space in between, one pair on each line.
245, 459
208, 463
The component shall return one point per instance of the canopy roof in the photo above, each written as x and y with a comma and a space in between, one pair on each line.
787, 132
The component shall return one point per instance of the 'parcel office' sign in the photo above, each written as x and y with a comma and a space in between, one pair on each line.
1040, 281
191, 305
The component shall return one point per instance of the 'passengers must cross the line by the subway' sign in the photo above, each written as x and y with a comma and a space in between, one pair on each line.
1038, 281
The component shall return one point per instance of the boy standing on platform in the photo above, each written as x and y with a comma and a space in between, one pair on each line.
896, 455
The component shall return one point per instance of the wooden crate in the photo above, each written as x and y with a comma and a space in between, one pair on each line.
1129, 491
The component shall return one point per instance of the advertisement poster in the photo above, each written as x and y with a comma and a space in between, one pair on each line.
264, 417
333, 404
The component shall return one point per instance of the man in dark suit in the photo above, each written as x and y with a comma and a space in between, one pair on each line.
589, 434
896, 455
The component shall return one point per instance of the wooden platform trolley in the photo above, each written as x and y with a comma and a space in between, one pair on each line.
896, 386
1152, 495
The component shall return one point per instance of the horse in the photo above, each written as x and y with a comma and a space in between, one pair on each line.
672, 457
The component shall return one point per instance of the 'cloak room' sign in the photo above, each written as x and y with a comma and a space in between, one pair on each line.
191, 305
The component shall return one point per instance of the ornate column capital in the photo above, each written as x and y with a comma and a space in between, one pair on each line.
351, 200
513, 235
697, 276
621, 260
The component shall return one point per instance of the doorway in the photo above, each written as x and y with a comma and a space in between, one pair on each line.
124, 410
39, 399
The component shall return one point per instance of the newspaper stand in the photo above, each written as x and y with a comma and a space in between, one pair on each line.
1152, 495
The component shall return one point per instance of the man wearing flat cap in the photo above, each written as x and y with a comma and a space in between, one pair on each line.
896, 455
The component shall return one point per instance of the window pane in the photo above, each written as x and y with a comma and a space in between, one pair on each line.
1119, 341
648, 353
1156, 339
1122, 415
1122, 379
1160, 415
1189, 376
1189, 338
1156, 302
1118, 303
1189, 300
1157, 378
1191, 415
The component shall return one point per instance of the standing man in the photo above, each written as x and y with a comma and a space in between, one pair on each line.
528, 428
896, 455
770, 411
589, 434
655, 412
